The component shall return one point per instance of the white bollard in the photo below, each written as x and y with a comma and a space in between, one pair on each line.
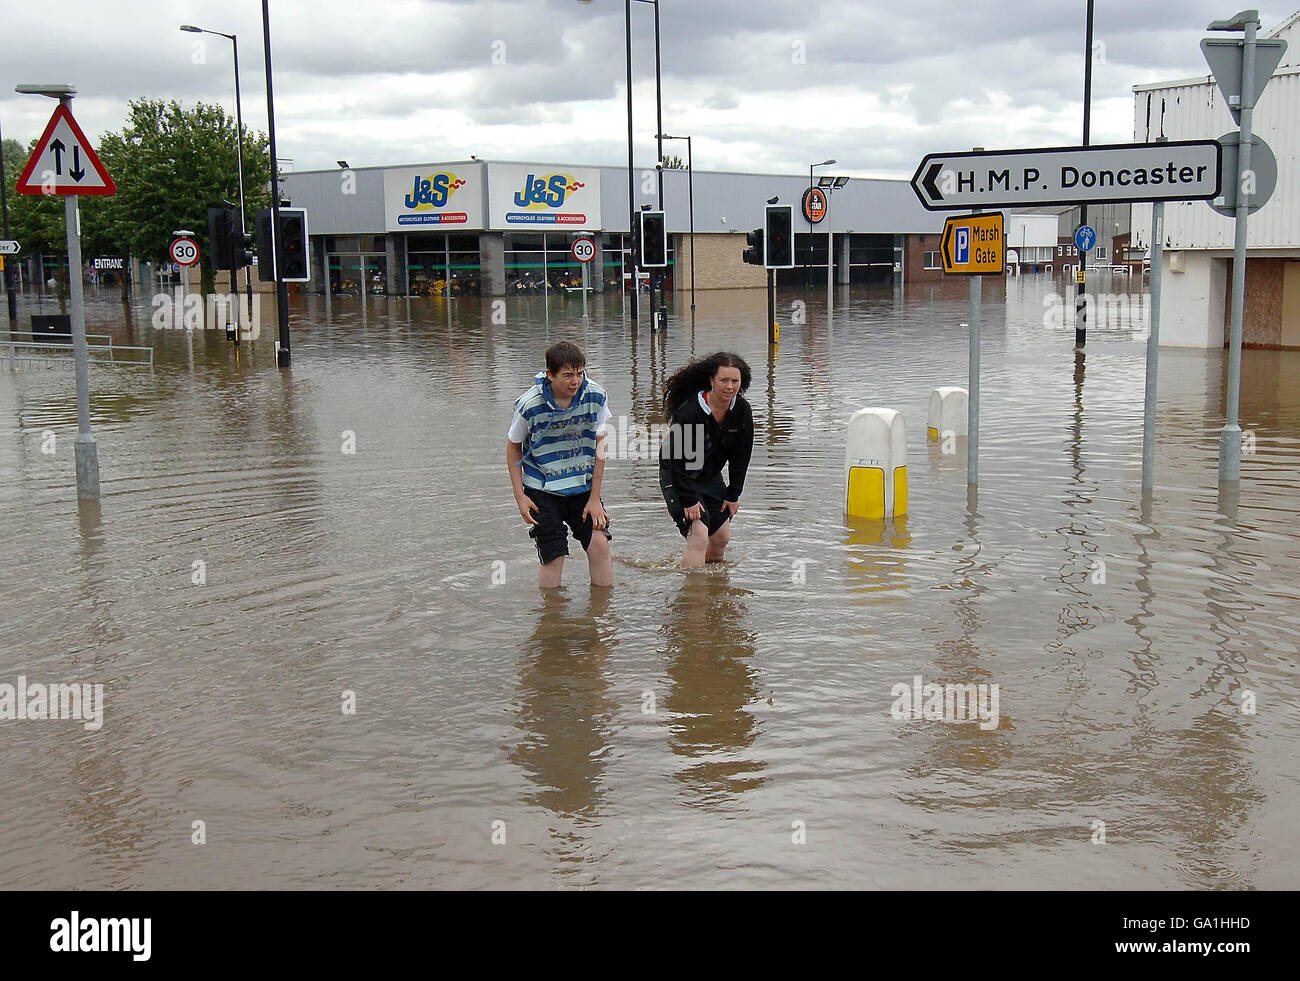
875, 464
947, 412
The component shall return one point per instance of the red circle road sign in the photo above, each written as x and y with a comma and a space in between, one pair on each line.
185, 251
583, 249
814, 204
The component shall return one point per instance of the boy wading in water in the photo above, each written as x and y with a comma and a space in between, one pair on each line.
555, 449
703, 401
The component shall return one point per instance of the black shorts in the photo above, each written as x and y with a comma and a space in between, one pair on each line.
554, 511
714, 517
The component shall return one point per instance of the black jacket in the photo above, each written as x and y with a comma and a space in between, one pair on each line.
684, 481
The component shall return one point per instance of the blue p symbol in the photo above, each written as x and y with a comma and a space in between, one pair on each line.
961, 254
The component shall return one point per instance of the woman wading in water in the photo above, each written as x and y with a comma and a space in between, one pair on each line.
712, 425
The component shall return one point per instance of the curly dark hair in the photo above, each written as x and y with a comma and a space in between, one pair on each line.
697, 376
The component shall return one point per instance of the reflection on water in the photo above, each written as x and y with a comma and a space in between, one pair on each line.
711, 685
354, 525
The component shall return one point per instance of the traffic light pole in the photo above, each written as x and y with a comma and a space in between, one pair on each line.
771, 307
281, 290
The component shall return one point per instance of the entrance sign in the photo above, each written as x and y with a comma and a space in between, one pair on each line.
1185, 170
974, 245
64, 162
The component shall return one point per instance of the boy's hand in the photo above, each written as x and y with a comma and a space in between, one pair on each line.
695, 512
526, 506
597, 513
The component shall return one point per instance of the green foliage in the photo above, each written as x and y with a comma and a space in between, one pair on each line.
170, 165
673, 162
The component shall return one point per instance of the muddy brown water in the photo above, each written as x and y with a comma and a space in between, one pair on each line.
724, 728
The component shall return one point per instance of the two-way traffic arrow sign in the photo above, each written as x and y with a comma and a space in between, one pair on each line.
64, 162
1186, 170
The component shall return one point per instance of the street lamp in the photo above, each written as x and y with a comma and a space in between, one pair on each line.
9, 276
239, 157
85, 451
690, 182
830, 236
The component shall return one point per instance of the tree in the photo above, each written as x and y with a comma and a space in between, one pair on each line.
673, 162
171, 165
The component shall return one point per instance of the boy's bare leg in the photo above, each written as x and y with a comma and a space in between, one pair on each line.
548, 576
697, 544
717, 542
600, 560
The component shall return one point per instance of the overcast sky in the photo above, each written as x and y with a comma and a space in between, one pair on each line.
761, 85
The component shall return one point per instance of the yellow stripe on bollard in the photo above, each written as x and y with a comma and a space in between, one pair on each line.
866, 497
900, 491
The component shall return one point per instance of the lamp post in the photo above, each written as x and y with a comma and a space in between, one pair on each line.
690, 183
282, 357
86, 454
830, 240
9, 276
239, 157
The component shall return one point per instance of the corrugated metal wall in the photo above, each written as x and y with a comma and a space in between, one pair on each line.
1189, 111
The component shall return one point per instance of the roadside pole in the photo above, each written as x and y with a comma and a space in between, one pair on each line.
1153, 349
1230, 436
973, 386
64, 162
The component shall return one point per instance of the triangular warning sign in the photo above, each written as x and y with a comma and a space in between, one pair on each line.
64, 162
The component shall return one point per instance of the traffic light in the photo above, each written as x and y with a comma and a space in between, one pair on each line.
292, 233
754, 254
241, 247
654, 240
780, 237
219, 229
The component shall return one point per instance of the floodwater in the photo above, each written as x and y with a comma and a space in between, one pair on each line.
720, 728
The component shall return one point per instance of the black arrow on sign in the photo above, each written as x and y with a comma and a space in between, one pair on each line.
57, 147
944, 243
76, 171
931, 188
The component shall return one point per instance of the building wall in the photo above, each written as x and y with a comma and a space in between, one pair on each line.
1193, 300
914, 258
717, 264
1266, 317
1291, 305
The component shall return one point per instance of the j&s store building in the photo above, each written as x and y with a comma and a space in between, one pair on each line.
501, 227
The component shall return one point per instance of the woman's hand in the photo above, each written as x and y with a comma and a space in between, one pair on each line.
731, 507
695, 512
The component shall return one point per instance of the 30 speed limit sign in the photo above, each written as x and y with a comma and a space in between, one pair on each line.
583, 249
185, 251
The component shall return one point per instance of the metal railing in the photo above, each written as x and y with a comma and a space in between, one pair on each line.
45, 351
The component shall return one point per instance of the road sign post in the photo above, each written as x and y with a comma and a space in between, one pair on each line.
1242, 70
64, 162
584, 250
